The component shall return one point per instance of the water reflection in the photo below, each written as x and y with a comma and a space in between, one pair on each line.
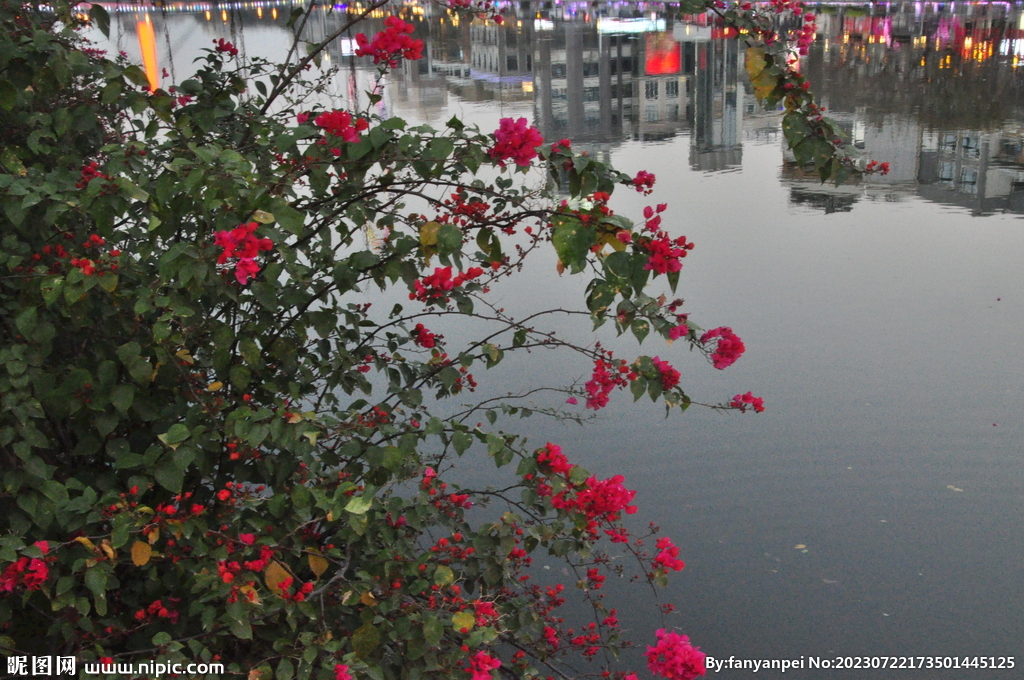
934, 89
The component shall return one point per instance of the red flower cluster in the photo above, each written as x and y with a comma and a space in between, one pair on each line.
515, 140
644, 182
300, 594
728, 349
673, 657
666, 253
437, 285
551, 637
680, 331
157, 609
880, 168
562, 146
748, 400
669, 376
604, 379
340, 124
653, 222
224, 46
805, 37
90, 171
241, 244
598, 500
668, 557
391, 44
423, 337
341, 672
29, 572
550, 458
481, 664
266, 556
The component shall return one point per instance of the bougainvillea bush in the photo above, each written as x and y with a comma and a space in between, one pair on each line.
214, 449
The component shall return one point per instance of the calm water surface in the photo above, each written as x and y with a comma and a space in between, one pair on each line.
876, 507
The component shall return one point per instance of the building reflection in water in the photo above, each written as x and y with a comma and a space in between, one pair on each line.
934, 89
596, 77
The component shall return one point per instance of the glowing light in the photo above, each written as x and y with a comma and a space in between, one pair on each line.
223, 15
273, 13
147, 46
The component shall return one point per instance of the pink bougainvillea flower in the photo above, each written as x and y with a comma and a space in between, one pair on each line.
390, 45
241, 244
481, 664
341, 124
674, 658
728, 349
515, 140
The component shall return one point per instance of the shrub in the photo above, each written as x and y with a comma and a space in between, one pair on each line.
214, 451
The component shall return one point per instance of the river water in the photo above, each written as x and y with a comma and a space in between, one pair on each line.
876, 507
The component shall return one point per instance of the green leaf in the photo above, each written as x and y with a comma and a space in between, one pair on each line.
99, 16
449, 239
620, 265
289, 218
285, 669
131, 189
444, 576
177, 434
365, 639
359, 505
572, 242
8, 95
438, 149
433, 631
640, 329
122, 397
461, 441
169, 475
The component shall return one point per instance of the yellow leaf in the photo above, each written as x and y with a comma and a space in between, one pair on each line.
368, 599
263, 217
295, 418
463, 621
761, 77
318, 565
799, 546
154, 535
756, 62
215, 386
428, 234
613, 241
185, 356
274, 575
156, 369
330, 515
347, 597
108, 549
87, 543
250, 594
141, 552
